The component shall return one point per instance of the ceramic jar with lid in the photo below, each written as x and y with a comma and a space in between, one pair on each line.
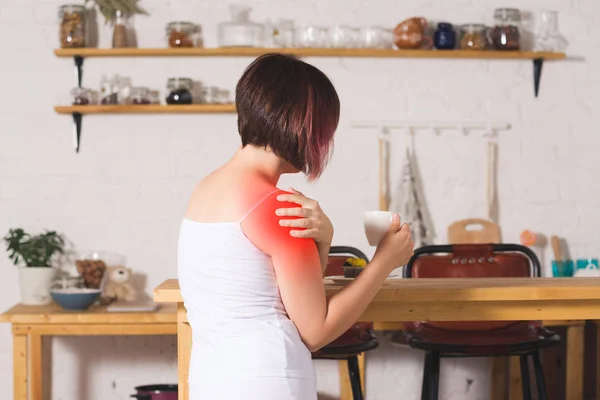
444, 37
71, 26
179, 91
506, 32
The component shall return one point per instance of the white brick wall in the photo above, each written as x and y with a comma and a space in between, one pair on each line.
128, 187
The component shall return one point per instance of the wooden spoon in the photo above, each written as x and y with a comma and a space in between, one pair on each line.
556, 248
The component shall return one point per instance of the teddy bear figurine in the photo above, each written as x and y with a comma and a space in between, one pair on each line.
117, 286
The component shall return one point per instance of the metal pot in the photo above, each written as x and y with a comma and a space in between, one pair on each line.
156, 392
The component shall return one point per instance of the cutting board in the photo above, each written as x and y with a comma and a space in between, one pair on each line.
474, 231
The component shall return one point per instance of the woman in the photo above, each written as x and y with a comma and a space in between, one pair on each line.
251, 256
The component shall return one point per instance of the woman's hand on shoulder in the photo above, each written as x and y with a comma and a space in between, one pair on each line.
311, 221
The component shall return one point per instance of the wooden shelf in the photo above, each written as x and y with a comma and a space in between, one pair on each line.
306, 52
147, 109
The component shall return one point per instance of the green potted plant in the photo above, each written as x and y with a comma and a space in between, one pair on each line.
34, 255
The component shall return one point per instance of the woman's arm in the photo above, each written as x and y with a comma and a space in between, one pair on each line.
298, 268
312, 222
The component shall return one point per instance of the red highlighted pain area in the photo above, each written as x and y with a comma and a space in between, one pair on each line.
292, 257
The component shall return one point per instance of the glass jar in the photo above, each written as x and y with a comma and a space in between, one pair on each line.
311, 36
344, 37
110, 89
210, 95
180, 91
140, 95
72, 26
506, 35
181, 34
284, 33
81, 96
548, 37
240, 31
474, 37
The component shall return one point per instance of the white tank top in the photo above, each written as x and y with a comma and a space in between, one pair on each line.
239, 324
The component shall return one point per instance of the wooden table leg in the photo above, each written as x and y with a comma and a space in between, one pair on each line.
499, 373
20, 367
35, 367
345, 386
184, 349
575, 344
515, 391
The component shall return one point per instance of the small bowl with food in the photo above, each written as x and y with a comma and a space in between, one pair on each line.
353, 266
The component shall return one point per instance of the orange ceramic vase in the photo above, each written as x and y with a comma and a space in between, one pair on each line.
410, 33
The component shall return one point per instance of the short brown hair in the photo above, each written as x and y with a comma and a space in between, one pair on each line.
291, 107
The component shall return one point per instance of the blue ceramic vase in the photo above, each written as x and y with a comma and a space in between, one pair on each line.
445, 37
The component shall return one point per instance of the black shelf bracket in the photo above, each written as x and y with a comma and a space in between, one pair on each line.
538, 63
78, 69
77, 130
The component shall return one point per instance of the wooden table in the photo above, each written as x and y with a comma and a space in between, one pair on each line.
504, 299
30, 323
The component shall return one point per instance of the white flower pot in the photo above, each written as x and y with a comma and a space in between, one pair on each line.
35, 283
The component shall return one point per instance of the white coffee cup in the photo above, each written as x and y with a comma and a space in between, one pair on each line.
377, 223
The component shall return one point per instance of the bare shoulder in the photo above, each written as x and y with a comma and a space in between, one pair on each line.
225, 196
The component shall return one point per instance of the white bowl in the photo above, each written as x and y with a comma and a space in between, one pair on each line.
377, 224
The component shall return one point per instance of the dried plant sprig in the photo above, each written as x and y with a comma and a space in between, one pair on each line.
108, 8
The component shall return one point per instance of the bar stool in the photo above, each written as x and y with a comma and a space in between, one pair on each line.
476, 339
356, 340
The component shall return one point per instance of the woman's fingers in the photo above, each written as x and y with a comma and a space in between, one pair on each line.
297, 223
293, 212
306, 233
297, 198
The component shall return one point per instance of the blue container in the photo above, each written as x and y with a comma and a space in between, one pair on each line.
75, 299
585, 263
562, 268
444, 37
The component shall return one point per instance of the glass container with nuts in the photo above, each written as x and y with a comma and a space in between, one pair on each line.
72, 26
506, 35
181, 34
474, 37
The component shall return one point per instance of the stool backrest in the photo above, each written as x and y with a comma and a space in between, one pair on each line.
473, 261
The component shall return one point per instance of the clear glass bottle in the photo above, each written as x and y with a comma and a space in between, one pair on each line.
549, 38
181, 34
474, 37
72, 26
506, 33
240, 31
180, 91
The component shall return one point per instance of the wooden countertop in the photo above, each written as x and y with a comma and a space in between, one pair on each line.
454, 290
54, 314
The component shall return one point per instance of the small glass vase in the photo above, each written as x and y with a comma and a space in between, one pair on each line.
549, 38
